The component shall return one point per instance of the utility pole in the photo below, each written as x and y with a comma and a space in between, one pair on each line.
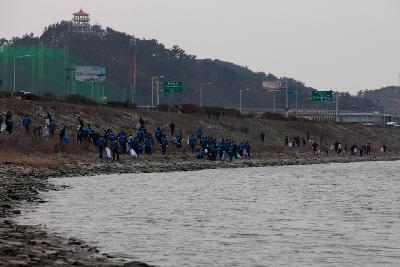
14, 75
5, 59
158, 92
97, 92
274, 102
398, 84
201, 93
132, 68
152, 87
135, 67
285, 86
92, 89
240, 98
296, 104
337, 106
65, 71
152, 91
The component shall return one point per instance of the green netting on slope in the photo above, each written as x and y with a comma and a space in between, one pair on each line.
39, 70
33, 51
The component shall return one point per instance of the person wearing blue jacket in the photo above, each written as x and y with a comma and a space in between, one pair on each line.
62, 134
164, 144
52, 129
178, 140
122, 139
201, 153
192, 142
101, 145
148, 144
199, 133
141, 133
158, 135
26, 121
134, 144
110, 135
220, 150
115, 149
247, 147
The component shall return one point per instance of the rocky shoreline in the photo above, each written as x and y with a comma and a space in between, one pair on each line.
22, 245
32, 246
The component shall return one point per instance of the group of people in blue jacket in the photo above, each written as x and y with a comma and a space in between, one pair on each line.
223, 149
112, 144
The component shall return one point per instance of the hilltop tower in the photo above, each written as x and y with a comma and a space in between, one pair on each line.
81, 21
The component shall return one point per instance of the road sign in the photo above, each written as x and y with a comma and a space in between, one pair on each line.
322, 95
173, 87
283, 93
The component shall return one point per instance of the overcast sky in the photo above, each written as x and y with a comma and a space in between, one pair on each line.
344, 45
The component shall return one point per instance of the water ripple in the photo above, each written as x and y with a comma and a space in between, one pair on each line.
318, 215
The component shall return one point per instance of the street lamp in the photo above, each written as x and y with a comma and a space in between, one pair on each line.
348, 110
378, 100
14, 66
240, 98
302, 103
152, 89
201, 96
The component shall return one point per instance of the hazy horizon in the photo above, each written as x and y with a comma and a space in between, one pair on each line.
344, 45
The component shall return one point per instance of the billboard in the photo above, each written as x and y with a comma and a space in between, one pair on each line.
272, 86
90, 73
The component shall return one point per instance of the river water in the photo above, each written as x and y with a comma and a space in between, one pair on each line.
316, 215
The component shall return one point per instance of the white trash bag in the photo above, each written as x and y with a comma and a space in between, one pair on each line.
108, 153
133, 154
3, 127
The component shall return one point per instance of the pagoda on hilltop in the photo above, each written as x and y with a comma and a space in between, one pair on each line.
80, 21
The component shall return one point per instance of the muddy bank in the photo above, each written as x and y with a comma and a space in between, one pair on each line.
30, 246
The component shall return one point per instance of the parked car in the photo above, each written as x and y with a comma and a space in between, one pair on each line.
392, 124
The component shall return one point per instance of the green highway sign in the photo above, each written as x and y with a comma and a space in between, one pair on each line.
173, 87
322, 95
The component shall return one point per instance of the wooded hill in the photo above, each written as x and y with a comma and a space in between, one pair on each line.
110, 48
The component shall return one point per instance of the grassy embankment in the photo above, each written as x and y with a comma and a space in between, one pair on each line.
21, 149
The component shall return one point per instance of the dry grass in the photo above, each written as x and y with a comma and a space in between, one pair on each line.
33, 160
238, 129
